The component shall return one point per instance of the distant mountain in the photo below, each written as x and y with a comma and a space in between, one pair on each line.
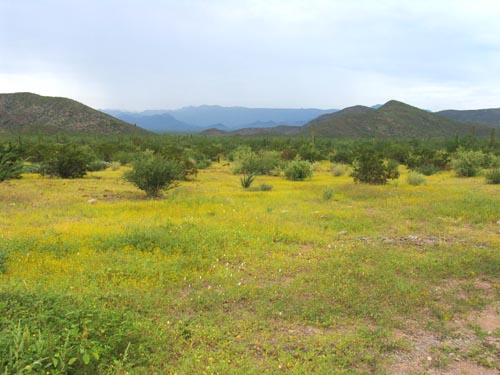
393, 120
26, 112
238, 117
228, 118
489, 116
343, 112
162, 122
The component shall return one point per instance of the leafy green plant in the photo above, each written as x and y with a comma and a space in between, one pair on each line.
467, 163
493, 176
97, 165
11, 165
154, 174
415, 178
298, 170
327, 194
50, 334
249, 162
247, 180
369, 167
338, 170
68, 161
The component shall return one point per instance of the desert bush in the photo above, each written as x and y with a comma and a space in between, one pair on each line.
97, 165
249, 162
392, 169
427, 161
265, 187
247, 180
11, 165
467, 163
47, 334
298, 170
68, 161
493, 176
415, 178
153, 174
338, 170
115, 166
369, 167
327, 194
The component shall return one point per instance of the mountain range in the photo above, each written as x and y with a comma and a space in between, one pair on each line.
192, 119
28, 113
392, 120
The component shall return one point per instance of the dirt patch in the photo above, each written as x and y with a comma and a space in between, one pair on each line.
464, 368
464, 345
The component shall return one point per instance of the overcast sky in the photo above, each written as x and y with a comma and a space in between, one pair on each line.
150, 54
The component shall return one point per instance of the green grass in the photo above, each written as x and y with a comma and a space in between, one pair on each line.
215, 279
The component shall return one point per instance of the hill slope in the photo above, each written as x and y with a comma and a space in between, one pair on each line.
393, 120
490, 116
27, 112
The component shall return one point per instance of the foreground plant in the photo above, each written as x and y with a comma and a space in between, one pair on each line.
11, 166
154, 174
247, 180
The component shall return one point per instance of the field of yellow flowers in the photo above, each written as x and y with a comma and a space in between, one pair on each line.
321, 276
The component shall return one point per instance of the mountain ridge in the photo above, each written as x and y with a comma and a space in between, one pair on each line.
26, 112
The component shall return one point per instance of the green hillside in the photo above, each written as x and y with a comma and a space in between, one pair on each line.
393, 120
27, 113
490, 116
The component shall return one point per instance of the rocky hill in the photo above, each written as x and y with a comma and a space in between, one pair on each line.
28, 113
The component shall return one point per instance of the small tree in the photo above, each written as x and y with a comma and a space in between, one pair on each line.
11, 166
369, 167
153, 174
68, 161
467, 163
298, 170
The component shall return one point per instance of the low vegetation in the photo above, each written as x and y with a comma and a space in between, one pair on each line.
320, 276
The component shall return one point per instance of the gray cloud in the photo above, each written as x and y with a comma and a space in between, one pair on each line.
319, 53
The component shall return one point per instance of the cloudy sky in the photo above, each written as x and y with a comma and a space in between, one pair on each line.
132, 54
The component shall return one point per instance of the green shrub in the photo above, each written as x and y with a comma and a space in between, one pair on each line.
369, 167
493, 176
247, 161
68, 161
265, 187
427, 170
327, 194
42, 334
247, 180
392, 169
338, 170
415, 178
298, 170
468, 163
97, 165
154, 174
11, 165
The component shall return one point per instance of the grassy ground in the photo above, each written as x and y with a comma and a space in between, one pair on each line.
214, 279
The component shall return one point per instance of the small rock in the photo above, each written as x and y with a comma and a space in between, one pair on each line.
92, 201
342, 233
498, 222
429, 358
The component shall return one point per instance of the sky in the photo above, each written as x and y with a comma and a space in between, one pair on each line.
152, 54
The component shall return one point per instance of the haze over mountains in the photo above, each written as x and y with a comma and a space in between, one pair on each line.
213, 116
28, 113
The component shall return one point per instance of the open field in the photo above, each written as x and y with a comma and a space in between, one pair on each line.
214, 279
